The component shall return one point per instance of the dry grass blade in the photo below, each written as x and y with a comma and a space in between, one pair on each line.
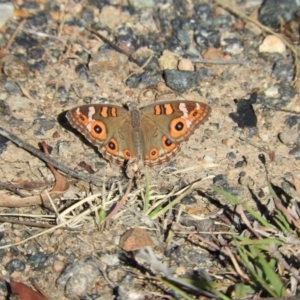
122, 202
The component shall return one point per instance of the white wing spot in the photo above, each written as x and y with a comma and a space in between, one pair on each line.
183, 108
91, 113
185, 116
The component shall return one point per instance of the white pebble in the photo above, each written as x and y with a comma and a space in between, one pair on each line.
208, 159
271, 91
272, 44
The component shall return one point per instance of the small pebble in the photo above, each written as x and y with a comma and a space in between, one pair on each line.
232, 46
288, 137
142, 3
180, 81
208, 159
78, 278
107, 60
272, 44
58, 266
168, 60
15, 265
6, 12
110, 16
231, 155
295, 152
283, 71
264, 136
272, 91
212, 53
240, 164
229, 142
220, 179
185, 65
15, 69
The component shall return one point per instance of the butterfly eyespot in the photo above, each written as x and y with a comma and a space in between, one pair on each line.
127, 154
168, 144
178, 127
153, 153
98, 130
112, 146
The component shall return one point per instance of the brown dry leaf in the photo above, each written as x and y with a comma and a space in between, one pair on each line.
61, 183
25, 292
135, 239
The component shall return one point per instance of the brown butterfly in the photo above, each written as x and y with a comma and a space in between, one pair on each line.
151, 135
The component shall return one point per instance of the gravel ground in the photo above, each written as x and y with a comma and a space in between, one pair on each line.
54, 61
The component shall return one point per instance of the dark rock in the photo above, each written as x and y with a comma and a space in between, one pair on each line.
99, 4
35, 53
203, 11
87, 15
272, 12
3, 143
172, 44
38, 20
152, 65
283, 71
4, 108
295, 152
180, 81
15, 265
127, 40
209, 37
14, 122
220, 179
82, 71
75, 22
143, 80
240, 164
183, 37
231, 155
291, 121
39, 66
36, 259
45, 125
204, 74
78, 278
232, 46
3, 288
12, 87
30, 5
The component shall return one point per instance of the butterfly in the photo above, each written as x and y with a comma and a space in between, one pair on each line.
150, 135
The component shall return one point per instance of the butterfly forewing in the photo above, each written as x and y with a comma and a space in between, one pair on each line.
167, 124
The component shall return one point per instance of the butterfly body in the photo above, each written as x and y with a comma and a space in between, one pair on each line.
151, 135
